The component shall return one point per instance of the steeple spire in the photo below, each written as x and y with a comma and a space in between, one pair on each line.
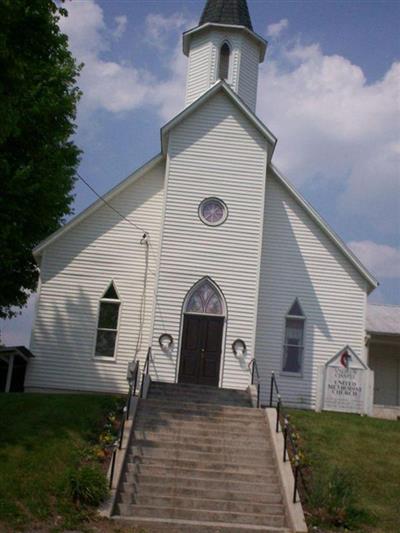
225, 47
233, 12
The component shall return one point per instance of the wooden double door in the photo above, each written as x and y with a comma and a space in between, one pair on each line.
201, 349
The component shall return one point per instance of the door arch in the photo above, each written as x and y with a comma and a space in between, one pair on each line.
204, 312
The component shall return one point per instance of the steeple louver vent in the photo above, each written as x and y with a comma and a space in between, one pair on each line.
233, 12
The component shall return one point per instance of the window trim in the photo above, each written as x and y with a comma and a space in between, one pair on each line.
105, 358
200, 214
302, 346
228, 79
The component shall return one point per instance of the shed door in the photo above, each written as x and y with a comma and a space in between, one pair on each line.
386, 388
201, 349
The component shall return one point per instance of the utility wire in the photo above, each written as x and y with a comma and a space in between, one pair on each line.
144, 240
110, 206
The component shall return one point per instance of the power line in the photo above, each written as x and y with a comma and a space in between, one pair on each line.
110, 206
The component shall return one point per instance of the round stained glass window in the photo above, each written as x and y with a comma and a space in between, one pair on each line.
213, 211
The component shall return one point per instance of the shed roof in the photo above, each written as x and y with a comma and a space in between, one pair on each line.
384, 319
233, 12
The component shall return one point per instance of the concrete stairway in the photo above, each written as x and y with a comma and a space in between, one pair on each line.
200, 456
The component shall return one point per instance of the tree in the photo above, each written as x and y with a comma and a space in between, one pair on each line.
38, 159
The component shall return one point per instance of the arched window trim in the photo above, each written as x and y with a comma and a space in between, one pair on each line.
301, 316
195, 287
110, 326
290, 320
228, 76
105, 298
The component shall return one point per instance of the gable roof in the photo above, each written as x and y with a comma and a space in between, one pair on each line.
332, 235
221, 85
98, 203
227, 12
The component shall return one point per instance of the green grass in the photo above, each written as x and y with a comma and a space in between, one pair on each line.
367, 449
41, 440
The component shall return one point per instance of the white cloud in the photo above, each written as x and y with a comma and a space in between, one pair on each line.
333, 126
381, 259
121, 21
120, 86
274, 30
158, 28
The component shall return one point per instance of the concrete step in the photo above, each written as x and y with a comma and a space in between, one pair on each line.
185, 469
264, 467
218, 447
163, 417
200, 389
186, 480
200, 394
170, 525
199, 397
203, 438
201, 430
180, 404
236, 457
242, 492
206, 504
176, 420
203, 515
193, 414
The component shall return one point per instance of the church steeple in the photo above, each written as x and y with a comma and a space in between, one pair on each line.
224, 46
233, 12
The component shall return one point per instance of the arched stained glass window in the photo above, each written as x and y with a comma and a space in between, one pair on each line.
224, 54
205, 299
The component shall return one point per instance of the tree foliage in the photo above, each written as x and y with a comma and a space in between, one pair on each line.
38, 160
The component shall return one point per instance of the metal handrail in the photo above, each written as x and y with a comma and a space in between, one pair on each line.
132, 385
255, 376
117, 445
291, 449
145, 370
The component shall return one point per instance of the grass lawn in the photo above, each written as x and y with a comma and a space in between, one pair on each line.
368, 449
41, 440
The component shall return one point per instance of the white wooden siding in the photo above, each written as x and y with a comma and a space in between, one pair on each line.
214, 152
204, 64
199, 68
75, 272
299, 260
248, 72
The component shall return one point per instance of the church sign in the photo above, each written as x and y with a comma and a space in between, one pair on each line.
346, 384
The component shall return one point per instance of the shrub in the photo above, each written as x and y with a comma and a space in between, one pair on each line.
87, 485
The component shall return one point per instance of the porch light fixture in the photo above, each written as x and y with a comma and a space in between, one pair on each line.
165, 340
239, 347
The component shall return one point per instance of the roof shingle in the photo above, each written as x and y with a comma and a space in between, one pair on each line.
233, 12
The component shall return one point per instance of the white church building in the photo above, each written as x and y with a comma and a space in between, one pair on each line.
207, 253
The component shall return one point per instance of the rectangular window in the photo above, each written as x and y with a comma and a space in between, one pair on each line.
293, 348
107, 329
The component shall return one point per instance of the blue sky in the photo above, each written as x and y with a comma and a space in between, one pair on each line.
327, 90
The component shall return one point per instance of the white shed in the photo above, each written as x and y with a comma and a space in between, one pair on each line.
383, 329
